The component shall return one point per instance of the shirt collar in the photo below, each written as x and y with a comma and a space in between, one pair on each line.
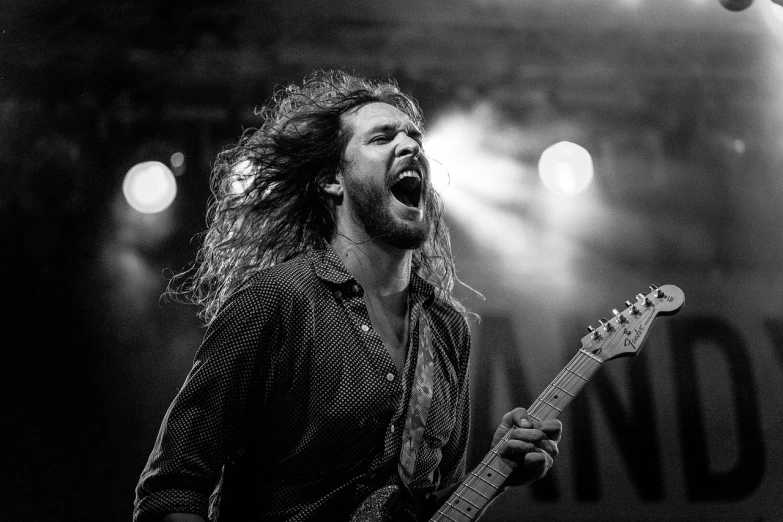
330, 268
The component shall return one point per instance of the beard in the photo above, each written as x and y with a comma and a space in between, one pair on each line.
372, 211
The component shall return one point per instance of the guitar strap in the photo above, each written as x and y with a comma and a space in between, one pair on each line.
419, 404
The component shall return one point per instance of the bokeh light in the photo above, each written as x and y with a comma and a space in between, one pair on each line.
149, 187
566, 168
177, 159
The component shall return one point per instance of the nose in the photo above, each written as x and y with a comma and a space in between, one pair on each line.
408, 146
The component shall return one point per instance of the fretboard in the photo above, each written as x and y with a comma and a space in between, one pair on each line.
488, 478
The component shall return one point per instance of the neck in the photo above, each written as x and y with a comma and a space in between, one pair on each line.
381, 269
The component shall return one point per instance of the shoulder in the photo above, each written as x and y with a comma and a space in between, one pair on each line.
450, 326
288, 279
448, 317
272, 289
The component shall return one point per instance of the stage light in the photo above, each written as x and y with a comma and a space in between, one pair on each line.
177, 159
149, 187
566, 168
777, 11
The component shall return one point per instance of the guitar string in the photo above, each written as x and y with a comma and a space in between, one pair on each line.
578, 364
575, 369
581, 368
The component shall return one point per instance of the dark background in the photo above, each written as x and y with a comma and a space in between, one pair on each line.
680, 103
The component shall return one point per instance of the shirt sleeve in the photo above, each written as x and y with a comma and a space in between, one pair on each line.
205, 423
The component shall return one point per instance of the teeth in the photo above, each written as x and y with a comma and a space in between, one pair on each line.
408, 174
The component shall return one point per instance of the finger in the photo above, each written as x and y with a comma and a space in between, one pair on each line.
527, 434
537, 438
514, 417
538, 463
517, 449
553, 429
549, 447
524, 423
520, 416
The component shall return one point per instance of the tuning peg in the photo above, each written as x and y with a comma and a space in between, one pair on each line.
605, 324
620, 317
657, 291
593, 331
644, 299
632, 306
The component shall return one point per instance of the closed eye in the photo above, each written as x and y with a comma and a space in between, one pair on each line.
385, 138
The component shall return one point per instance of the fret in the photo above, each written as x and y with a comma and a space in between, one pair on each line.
497, 471
466, 500
441, 513
550, 404
453, 509
483, 479
572, 371
474, 490
585, 352
569, 381
563, 390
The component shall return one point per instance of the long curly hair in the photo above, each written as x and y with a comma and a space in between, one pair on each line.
267, 203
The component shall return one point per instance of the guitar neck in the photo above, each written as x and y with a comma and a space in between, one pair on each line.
488, 478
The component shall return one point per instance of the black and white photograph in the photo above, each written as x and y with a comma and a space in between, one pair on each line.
363, 261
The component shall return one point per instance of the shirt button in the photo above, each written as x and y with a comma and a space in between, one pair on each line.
355, 289
392, 428
338, 294
390, 377
365, 328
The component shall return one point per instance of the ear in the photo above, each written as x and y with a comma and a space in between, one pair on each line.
334, 188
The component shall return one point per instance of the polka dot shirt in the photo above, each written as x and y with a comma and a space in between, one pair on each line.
295, 407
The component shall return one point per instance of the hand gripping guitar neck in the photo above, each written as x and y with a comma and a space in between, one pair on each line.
621, 336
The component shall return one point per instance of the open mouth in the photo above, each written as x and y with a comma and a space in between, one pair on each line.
407, 189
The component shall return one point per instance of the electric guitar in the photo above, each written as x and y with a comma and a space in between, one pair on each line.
621, 336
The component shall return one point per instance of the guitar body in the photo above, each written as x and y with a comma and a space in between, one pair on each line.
380, 506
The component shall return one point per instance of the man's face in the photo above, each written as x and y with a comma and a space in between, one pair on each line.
386, 179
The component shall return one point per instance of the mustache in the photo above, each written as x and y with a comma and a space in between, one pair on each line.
414, 163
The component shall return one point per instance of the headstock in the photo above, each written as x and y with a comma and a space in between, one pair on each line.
625, 333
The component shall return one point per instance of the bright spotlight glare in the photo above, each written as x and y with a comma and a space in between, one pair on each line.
149, 187
566, 168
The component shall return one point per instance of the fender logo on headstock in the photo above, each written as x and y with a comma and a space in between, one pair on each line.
640, 329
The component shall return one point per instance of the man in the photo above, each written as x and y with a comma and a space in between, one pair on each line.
335, 362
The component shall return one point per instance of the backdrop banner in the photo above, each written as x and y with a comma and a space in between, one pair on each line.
687, 430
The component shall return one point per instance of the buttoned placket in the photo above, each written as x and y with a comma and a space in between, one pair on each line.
398, 420
349, 294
